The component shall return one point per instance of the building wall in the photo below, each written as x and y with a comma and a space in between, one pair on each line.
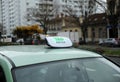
93, 32
100, 32
73, 29
76, 5
10, 14
0, 12
63, 24
89, 34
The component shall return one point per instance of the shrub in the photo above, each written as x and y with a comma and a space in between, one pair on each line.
7, 43
99, 50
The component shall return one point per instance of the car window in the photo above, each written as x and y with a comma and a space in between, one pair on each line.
78, 70
109, 39
100, 71
2, 75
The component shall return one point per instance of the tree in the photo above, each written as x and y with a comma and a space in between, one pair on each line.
43, 13
92, 7
113, 16
26, 31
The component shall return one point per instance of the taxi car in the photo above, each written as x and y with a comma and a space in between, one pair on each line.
58, 62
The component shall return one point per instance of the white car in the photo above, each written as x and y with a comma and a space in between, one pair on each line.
109, 42
58, 62
20, 41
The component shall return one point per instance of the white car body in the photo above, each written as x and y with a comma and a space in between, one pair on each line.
109, 41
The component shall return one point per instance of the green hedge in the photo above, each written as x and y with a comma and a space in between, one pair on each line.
101, 50
7, 43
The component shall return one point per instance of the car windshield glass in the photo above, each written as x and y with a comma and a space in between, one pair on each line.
77, 70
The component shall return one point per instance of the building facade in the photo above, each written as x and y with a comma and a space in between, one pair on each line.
10, 14
95, 30
0, 12
16, 12
67, 7
79, 7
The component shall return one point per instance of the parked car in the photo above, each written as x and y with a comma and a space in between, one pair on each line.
35, 42
31, 41
28, 41
110, 42
20, 41
6, 38
57, 62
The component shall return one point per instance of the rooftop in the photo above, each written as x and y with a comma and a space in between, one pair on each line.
96, 19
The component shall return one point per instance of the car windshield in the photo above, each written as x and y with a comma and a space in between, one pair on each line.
77, 70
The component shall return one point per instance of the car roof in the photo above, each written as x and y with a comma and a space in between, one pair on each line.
27, 55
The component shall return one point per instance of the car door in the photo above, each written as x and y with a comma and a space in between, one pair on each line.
2, 75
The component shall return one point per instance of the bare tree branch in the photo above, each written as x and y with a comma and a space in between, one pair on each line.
43, 13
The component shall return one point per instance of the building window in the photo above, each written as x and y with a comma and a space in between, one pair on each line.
27, 3
100, 32
93, 32
65, 1
28, 19
51, 0
86, 32
76, 30
28, 15
37, 4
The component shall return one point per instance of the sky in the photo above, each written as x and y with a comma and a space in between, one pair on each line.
100, 9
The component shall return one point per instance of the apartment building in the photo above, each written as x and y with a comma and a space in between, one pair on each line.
79, 7
16, 12
0, 12
10, 14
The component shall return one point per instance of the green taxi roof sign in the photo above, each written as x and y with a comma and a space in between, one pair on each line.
58, 41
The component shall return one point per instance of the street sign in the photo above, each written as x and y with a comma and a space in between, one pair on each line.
109, 26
